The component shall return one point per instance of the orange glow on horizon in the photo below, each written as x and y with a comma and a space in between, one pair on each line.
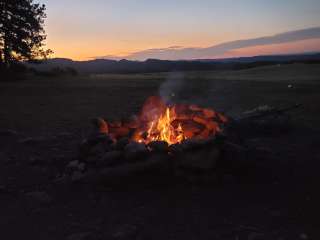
81, 51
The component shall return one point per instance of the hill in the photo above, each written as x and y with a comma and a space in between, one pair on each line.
100, 66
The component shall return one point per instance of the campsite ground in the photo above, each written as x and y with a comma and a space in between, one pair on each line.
50, 116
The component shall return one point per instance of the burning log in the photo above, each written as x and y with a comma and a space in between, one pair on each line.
100, 126
119, 132
162, 138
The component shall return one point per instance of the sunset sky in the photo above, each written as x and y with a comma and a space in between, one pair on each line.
86, 29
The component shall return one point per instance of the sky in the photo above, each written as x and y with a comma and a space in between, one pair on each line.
180, 29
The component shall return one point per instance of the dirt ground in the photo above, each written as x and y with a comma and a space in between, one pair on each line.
43, 121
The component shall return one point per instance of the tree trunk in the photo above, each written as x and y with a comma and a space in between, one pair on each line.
6, 54
1, 59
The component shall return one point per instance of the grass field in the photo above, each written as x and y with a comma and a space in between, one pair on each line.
44, 105
59, 109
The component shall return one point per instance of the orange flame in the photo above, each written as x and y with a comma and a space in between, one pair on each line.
173, 124
161, 129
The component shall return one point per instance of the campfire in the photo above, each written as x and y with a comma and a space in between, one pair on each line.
170, 140
170, 123
166, 138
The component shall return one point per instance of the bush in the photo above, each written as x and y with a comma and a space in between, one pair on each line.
15, 72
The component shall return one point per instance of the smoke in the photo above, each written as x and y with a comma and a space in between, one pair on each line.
171, 89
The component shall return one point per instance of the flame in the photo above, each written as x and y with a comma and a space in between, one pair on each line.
162, 129
174, 124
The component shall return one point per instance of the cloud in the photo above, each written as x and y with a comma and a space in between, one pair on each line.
178, 52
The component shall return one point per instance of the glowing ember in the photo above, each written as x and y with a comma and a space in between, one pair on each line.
162, 129
172, 124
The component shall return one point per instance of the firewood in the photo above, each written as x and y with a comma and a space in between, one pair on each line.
273, 111
100, 126
208, 113
119, 132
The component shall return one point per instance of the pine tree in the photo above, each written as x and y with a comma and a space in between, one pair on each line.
22, 32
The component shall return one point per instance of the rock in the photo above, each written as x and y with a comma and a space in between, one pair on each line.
80, 236
33, 160
64, 134
135, 150
99, 138
176, 148
95, 144
228, 178
82, 167
192, 143
77, 176
4, 158
303, 236
126, 232
159, 146
255, 236
33, 141
259, 109
73, 164
135, 147
110, 158
39, 196
200, 159
2, 188
8, 133
100, 125
121, 143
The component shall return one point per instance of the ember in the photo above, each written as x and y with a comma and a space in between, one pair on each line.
169, 123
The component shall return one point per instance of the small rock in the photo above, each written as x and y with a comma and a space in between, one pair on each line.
190, 144
79, 236
39, 196
82, 167
255, 236
77, 176
176, 148
303, 236
64, 134
2, 189
228, 178
94, 145
8, 133
135, 150
122, 143
99, 138
33, 160
159, 146
4, 158
32, 141
135, 147
126, 232
110, 158
201, 159
73, 165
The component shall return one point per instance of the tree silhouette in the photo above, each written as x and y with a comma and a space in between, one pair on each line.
22, 32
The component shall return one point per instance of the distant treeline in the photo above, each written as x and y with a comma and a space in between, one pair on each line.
100, 66
58, 67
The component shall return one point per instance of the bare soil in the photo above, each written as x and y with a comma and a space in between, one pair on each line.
42, 122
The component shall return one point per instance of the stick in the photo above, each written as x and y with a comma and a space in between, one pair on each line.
270, 112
